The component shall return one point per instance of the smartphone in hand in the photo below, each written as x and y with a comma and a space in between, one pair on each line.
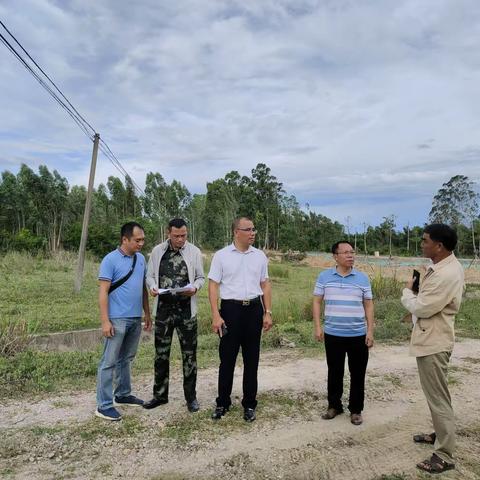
416, 281
223, 331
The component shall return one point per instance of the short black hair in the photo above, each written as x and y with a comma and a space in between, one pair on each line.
446, 235
127, 229
177, 223
236, 222
336, 244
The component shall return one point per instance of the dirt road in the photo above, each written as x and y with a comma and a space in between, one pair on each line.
57, 437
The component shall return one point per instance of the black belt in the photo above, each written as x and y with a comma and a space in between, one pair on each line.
244, 303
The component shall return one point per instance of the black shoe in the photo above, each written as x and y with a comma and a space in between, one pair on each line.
249, 414
193, 406
153, 403
219, 413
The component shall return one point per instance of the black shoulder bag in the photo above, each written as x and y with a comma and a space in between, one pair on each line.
116, 284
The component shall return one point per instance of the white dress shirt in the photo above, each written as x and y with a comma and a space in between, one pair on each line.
239, 273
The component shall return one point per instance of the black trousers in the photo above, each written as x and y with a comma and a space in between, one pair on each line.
357, 352
244, 325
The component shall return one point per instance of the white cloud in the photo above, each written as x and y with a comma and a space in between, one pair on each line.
337, 97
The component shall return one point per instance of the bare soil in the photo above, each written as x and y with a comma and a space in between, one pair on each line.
58, 437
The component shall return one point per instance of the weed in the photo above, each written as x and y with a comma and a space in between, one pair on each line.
39, 431
394, 379
278, 271
14, 336
385, 287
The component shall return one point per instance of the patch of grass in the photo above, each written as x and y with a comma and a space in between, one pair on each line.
388, 316
39, 290
62, 404
104, 469
466, 322
7, 471
395, 380
385, 287
278, 271
95, 428
183, 428
39, 431
452, 379
34, 371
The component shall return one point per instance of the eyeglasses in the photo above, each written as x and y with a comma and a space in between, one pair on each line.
345, 253
249, 229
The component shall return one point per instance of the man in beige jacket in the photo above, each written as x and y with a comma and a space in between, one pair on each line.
433, 313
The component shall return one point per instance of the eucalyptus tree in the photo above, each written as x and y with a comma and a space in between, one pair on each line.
456, 203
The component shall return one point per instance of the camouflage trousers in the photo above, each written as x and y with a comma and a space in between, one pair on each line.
177, 317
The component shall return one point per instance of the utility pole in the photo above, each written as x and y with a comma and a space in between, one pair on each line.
86, 216
408, 236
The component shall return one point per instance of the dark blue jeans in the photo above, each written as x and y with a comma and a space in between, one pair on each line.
357, 352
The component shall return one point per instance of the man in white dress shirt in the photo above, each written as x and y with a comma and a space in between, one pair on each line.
239, 276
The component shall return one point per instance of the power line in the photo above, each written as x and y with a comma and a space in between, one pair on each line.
49, 79
81, 122
45, 86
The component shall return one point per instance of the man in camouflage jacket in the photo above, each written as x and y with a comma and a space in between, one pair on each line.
175, 263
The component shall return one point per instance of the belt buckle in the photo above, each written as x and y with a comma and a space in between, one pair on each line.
245, 303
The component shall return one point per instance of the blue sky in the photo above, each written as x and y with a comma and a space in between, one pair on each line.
361, 108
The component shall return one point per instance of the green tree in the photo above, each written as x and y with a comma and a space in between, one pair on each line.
455, 204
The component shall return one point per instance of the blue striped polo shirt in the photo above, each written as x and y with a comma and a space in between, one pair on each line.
343, 298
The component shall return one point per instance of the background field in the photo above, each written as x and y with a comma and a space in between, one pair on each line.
37, 293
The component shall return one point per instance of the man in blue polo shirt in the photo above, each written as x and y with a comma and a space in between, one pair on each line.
122, 296
348, 329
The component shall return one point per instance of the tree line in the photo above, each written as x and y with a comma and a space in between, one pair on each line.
42, 212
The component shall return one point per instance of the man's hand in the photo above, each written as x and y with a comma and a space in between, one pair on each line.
369, 339
153, 292
267, 321
148, 323
409, 284
217, 323
189, 293
319, 334
107, 329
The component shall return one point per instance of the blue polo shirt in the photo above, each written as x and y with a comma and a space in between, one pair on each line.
126, 301
343, 298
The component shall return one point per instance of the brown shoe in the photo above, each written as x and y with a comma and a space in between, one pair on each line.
356, 418
331, 413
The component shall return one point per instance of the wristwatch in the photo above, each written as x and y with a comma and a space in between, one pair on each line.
268, 311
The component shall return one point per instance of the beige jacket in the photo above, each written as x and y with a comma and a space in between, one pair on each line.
193, 258
435, 307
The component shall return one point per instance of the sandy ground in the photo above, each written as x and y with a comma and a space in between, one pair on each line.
287, 445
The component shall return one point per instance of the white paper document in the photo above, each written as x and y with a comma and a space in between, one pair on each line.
174, 291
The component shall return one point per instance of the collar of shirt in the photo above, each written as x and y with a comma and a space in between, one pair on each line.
249, 250
442, 263
123, 253
352, 272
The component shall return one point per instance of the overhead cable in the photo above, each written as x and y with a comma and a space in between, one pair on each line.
82, 123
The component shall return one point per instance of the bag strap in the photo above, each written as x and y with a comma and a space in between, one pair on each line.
120, 282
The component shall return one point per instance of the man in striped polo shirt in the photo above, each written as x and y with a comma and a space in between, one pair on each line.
348, 329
